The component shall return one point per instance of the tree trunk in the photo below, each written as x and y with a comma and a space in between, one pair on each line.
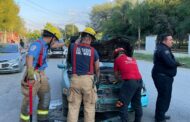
5, 37
139, 37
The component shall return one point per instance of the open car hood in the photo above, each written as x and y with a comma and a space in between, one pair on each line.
105, 48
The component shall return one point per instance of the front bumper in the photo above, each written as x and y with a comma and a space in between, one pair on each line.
56, 53
9, 67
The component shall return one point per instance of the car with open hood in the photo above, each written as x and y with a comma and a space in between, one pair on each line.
107, 90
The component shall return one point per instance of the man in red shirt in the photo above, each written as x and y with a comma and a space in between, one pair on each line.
130, 91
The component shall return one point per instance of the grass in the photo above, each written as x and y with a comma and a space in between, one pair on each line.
149, 57
185, 60
146, 57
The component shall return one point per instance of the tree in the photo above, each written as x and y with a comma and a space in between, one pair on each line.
183, 12
33, 35
133, 19
138, 18
100, 14
9, 19
71, 30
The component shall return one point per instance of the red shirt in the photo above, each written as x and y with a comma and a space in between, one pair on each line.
127, 67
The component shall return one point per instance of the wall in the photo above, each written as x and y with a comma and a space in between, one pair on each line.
150, 43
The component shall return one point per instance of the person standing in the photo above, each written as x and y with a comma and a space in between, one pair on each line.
84, 60
35, 74
22, 43
130, 90
163, 72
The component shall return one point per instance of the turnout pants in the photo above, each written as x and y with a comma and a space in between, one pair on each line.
163, 84
131, 92
82, 89
42, 90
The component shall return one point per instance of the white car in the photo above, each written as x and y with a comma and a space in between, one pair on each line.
12, 58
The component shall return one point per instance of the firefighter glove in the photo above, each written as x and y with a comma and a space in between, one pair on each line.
119, 104
31, 74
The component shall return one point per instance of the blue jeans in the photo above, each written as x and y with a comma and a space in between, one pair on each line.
131, 92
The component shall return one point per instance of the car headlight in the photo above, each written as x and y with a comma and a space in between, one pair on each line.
14, 60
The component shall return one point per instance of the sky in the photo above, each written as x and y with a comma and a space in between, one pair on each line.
36, 13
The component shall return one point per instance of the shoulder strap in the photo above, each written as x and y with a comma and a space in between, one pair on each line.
74, 59
40, 58
91, 70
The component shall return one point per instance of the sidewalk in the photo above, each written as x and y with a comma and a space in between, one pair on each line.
180, 55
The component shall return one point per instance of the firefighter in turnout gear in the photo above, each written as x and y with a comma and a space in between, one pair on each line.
84, 60
36, 64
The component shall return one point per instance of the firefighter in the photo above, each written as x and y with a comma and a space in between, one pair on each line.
84, 61
130, 90
36, 64
164, 69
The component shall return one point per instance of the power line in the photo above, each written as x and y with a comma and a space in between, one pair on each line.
29, 5
54, 12
46, 11
39, 9
45, 8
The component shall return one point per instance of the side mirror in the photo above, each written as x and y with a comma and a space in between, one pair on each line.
61, 66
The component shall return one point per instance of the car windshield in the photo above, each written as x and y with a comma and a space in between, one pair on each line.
6, 48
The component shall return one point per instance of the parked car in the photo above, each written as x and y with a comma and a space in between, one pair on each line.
56, 52
107, 91
65, 51
12, 58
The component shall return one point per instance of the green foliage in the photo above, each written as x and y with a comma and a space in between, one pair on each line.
149, 57
132, 18
34, 35
140, 56
100, 14
9, 19
183, 13
71, 30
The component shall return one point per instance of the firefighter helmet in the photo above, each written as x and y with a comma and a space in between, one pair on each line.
53, 32
90, 31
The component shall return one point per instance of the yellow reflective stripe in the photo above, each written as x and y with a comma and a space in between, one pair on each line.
24, 117
43, 112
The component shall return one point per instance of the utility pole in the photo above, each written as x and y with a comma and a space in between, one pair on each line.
139, 27
72, 29
5, 37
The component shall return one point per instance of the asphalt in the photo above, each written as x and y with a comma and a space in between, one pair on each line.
10, 93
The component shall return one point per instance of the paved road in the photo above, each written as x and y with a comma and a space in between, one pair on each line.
10, 93
180, 105
10, 97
